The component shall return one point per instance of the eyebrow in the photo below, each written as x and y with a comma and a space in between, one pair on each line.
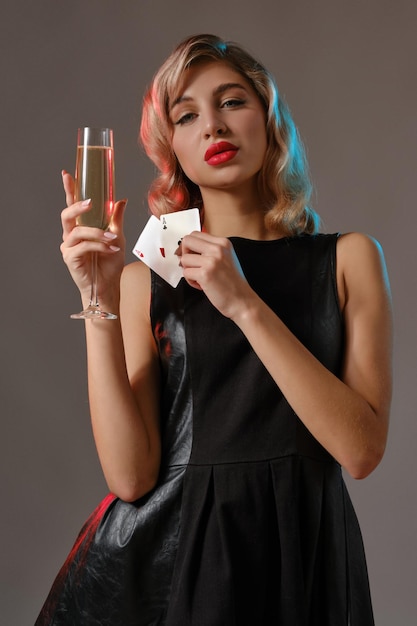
217, 92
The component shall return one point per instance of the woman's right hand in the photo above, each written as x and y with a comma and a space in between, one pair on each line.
80, 241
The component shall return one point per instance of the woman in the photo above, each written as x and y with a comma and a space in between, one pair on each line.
224, 409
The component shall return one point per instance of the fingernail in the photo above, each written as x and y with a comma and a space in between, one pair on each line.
114, 248
109, 235
86, 203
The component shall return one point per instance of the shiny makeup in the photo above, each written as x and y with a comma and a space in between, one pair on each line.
220, 152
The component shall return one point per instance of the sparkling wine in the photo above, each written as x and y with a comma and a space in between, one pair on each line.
94, 178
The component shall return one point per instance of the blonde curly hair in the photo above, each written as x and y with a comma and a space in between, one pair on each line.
283, 180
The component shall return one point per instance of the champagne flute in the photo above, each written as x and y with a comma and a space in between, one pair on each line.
94, 179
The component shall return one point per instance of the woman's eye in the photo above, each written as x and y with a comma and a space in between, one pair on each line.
233, 102
184, 119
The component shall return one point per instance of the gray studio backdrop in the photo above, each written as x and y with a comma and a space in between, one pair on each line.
347, 70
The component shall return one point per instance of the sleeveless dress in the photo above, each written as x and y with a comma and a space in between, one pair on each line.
250, 523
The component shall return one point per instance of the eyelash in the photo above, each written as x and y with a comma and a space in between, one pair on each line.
184, 119
234, 102
229, 103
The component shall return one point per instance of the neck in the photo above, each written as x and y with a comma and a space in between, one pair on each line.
229, 214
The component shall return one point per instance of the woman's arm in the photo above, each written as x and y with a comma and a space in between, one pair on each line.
123, 384
123, 374
349, 417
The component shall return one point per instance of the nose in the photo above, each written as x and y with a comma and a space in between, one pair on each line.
214, 125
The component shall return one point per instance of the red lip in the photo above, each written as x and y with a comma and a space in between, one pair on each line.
216, 148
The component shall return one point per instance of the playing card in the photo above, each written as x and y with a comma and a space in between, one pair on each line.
175, 226
148, 244
160, 239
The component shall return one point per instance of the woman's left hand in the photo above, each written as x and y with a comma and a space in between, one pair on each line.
210, 263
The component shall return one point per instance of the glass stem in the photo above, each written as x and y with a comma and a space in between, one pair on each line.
93, 296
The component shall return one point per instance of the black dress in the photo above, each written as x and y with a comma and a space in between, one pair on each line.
250, 523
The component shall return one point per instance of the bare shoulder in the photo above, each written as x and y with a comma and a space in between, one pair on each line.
350, 245
135, 318
361, 267
137, 272
135, 288
135, 306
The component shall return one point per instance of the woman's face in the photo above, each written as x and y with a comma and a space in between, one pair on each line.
218, 128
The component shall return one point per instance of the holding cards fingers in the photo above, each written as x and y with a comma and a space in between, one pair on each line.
158, 243
210, 263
